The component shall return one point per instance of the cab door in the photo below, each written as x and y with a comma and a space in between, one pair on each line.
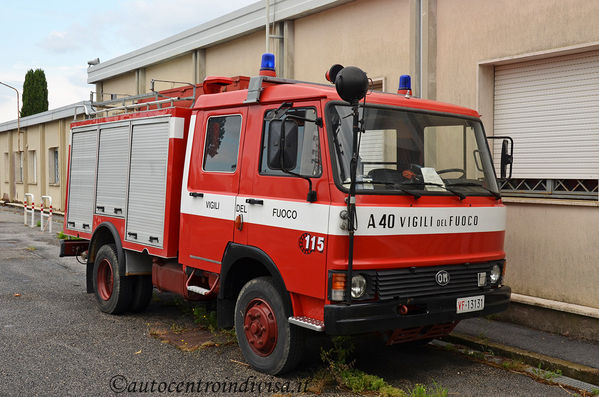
280, 220
209, 196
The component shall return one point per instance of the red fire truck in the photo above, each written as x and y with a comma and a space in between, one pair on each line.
297, 206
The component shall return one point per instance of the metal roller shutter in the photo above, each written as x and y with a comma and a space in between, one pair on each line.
147, 182
113, 160
550, 108
82, 174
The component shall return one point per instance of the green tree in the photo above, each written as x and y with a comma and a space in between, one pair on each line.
35, 93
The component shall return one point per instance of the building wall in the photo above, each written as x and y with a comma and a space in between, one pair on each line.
178, 69
373, 35
552, 252
550, 248
239, 57
38, 138
124, 84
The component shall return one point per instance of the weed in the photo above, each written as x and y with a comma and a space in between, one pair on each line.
177, 329
62, 236
204, 318
595, 392
546, 373
421, 391
513, 365
340, 368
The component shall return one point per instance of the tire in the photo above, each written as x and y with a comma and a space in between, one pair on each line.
113, 293
268, 342
142, 289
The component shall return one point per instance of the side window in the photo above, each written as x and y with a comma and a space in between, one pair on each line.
308, 159
221, 145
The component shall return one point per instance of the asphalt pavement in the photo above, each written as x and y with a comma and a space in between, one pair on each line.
55, 342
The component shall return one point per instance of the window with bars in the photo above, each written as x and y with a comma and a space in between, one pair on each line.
582, 189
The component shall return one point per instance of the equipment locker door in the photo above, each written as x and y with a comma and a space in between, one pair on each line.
280, 221
84, 150
209, 197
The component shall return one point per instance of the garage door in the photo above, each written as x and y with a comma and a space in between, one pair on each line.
550, 107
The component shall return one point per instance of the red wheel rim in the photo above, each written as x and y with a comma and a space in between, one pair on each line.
105, 281
260, 326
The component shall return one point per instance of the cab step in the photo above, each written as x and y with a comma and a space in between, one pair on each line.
198, 290
307, 322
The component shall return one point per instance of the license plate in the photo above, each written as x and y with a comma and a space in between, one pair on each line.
470, 304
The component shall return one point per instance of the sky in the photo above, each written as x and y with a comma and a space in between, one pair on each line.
60, 36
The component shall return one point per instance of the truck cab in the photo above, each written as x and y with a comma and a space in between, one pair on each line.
303, 207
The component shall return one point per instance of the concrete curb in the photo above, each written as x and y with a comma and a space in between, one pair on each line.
570, 369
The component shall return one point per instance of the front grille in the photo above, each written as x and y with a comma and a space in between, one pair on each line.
420, 281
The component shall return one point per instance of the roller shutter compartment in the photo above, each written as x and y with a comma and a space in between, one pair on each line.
82, 179
147, 182
113, 160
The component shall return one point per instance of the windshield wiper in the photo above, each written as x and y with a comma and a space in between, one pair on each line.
455, 192
395, 185
497, 195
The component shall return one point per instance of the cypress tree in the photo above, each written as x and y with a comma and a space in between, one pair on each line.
35, 93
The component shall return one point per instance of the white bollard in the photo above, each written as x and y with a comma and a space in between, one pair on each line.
46, 215
29, 211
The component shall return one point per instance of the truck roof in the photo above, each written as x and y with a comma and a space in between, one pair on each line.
279, 90
239, 92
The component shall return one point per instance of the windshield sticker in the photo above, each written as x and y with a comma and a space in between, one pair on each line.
429, 175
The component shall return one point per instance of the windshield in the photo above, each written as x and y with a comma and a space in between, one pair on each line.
408, 152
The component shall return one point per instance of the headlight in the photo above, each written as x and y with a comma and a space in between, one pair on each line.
495, 274
358, 286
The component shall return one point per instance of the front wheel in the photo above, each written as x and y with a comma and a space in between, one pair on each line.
268, 342
113, 293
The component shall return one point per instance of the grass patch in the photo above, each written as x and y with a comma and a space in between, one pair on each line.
595, 392
513, 365
204, 317
340, 369
546, 373
62, 236
421, 391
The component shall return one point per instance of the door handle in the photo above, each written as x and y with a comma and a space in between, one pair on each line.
254, 201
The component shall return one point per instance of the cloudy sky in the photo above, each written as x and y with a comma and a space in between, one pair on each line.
60, 36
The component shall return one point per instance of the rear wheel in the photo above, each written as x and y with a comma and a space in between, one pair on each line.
142, 293
113, 293
268, 342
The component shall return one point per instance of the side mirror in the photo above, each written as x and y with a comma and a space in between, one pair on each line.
507, 157
282, 144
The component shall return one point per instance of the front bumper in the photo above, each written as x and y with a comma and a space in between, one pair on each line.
357, 318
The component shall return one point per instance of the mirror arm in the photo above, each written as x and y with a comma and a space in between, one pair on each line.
312, 197
317, 121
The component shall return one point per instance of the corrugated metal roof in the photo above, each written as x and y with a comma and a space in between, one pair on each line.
44, 117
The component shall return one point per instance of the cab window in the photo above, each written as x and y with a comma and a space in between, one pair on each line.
221, 145
309, 161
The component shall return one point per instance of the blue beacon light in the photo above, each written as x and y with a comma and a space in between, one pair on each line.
268, 61
405, 85
267, 66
